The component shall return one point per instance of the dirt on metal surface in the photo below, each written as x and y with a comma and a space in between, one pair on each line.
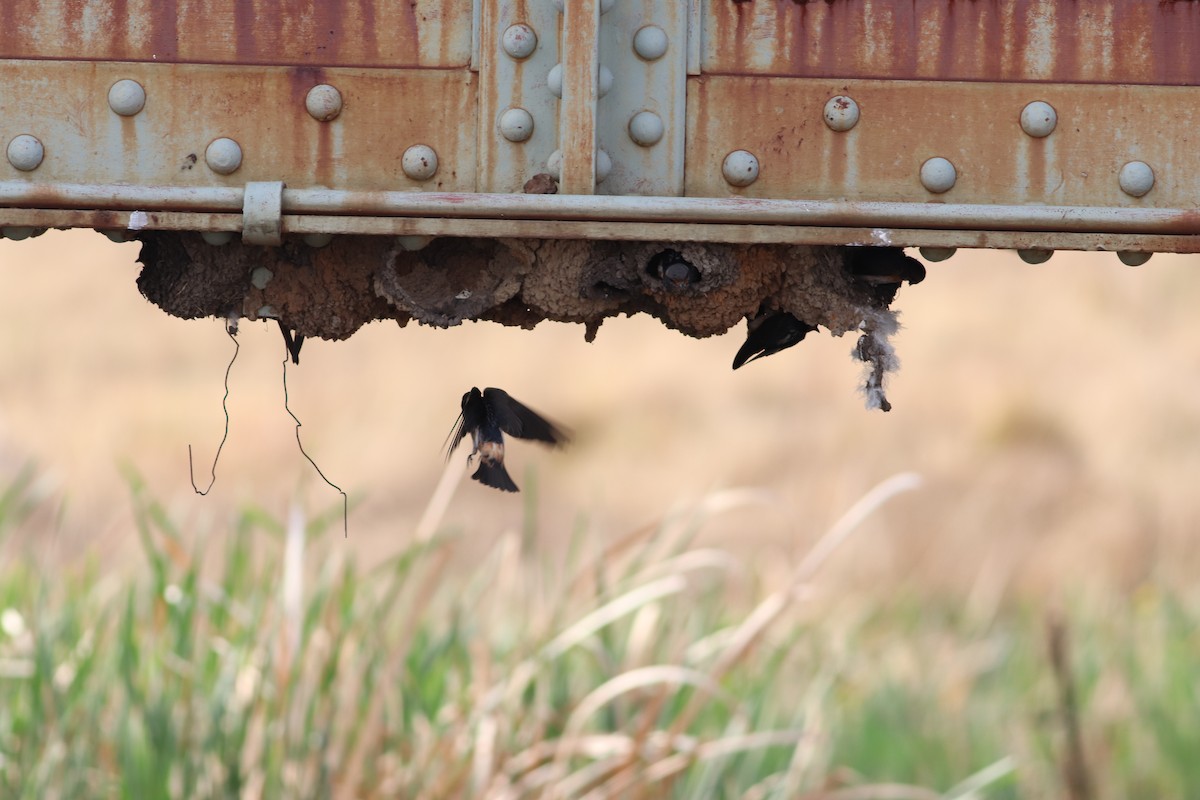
331, 292
1063, 41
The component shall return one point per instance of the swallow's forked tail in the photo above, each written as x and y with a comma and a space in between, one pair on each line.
493, 473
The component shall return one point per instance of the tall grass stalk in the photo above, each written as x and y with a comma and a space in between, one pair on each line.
635, 668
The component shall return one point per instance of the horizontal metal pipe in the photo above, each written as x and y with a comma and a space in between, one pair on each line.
616, 231
712, 210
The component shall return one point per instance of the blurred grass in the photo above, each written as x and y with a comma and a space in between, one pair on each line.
652, 666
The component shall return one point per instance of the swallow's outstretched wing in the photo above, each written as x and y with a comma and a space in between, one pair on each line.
517, 420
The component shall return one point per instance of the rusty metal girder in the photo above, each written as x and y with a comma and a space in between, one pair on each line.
1059, 41
897, 121
316, 33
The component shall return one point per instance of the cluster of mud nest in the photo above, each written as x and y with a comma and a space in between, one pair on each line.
699, 289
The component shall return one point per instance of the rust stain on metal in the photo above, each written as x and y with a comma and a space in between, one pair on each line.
370, 33
262, 108
973, 124
1063, 41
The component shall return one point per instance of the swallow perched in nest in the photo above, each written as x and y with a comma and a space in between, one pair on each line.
676, 272
881, 270
486, 416
768, 333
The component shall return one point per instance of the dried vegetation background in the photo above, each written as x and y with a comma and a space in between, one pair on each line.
1052, 411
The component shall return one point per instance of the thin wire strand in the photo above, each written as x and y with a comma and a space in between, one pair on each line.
345, 498
231, 332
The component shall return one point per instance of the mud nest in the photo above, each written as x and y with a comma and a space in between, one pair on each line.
699, 289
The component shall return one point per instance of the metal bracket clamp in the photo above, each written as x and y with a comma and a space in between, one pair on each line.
262, 213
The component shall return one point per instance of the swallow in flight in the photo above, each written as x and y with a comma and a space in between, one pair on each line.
488, 415
670, 267
882, 269
293, 341
768, 333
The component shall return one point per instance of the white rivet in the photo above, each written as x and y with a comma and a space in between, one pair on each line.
605, 5
260, 277
603, 165
324, 102
1136, 178
604, 80
1132, 259
317, 239
1038, 119
1035, 256
740, 168
646, 128
420, 162
25, 152
217, 238
126, 97
516, 124
938, 175
19, 232
223, 156
519, 41
841, 113
414, 242
936, 253
650, 42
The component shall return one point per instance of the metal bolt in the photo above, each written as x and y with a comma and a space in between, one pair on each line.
646, 128
260, 277
604, 81
516, 124
19, 232
519, 41
1133, 259
324, 102
419, 162
841, 113
317, 239
938, 175
936, 253
1039, 119
411, 243
650, 42
25, 152
1034, 256
217, 238
223, 156
1136, 178
603, 165
126, 97
740, 168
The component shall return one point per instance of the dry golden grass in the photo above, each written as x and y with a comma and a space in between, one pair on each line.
1051, 411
